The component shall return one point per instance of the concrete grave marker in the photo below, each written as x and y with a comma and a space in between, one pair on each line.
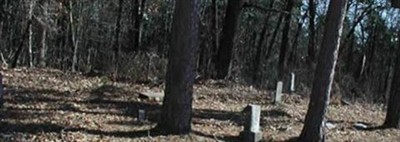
251, 132
292, 83
141, 116
278, 93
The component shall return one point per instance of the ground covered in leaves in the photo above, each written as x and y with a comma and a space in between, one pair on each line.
49, 105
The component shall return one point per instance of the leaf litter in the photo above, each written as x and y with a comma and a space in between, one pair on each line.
49, 105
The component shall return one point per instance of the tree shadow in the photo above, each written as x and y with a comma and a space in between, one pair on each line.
7, 127
103, 98
22, 106
30, 128
274, 113
237, 117
99, 97
219, 138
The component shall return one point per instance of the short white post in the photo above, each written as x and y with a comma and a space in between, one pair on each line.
292, 83
278, 93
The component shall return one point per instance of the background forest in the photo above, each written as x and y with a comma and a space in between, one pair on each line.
129, 40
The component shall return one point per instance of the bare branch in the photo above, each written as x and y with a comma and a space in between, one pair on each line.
261, 8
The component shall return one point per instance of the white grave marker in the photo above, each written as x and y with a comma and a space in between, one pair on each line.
292, 83
278, 93
251, 132
141, 115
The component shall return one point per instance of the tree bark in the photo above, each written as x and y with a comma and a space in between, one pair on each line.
392, 119
311, 39
324, 73
43, 48
215, 36
138, 12
116, 44
21, 44
74, 28
30, 38
293, 53
285, 40
259, 51
274, 35
177, 105
231, 22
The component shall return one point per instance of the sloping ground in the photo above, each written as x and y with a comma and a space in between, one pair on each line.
48, 105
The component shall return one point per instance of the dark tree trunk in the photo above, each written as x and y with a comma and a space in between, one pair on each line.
231, 22
292, 61
285, 40
74, 40
274, 35
21, 44
139, 25
324, 73
392, 119
32, 4
177, 105
257, 59
116, 44
311, 39
42, 56
215, 36
349, 62
138, 11
208, 50
133, 30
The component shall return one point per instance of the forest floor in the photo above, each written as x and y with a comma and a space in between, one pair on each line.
49, 105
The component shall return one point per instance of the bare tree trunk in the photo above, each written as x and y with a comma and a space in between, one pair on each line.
21, 44
285, 40
224, 54
273, 38
43, 48
215, 28
134, 30
311, 40
30, 39
293, 53
259, 50
324, 73
392, 119
177, 105
138, 11
74, 29
116, 44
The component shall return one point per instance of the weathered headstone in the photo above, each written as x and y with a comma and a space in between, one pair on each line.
1, 91
251, 132
292, 89
141, 116
278, 93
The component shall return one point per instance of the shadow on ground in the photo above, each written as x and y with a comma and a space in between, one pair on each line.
23, 104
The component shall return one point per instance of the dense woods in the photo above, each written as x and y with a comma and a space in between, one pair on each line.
345, 51
251, 42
